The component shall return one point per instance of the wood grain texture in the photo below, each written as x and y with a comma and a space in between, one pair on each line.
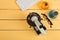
28, 35
13, 25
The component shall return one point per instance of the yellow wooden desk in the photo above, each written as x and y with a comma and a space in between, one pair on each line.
13, 25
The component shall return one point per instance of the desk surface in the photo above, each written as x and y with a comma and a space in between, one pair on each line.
13, 25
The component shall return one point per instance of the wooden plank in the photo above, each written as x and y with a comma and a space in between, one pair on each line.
13, 25
17, 24
16, 14
28, 35
11, 4
8, 19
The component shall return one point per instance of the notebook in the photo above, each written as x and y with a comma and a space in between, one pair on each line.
25, 4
